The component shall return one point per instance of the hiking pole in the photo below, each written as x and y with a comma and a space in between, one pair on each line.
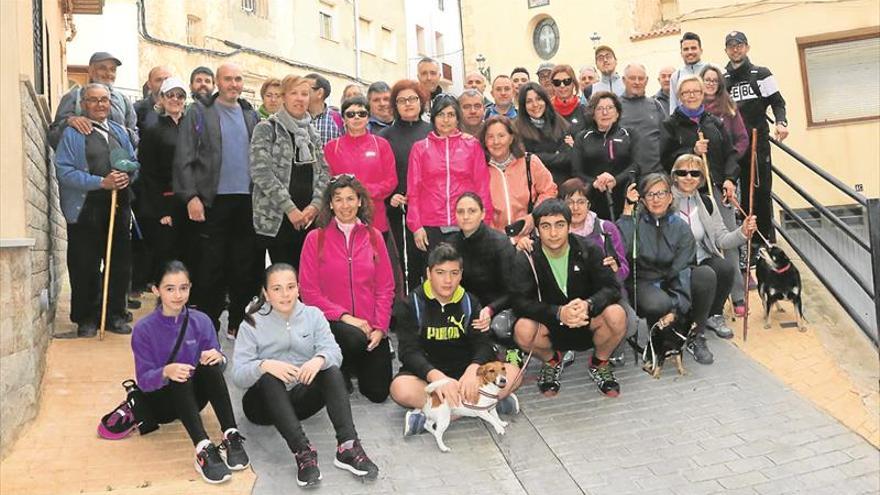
745, 215
708, 174
610, 200
405, 256
747, 271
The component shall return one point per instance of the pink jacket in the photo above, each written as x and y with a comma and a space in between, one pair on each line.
440, 170
355, 278
370, 159
510, 193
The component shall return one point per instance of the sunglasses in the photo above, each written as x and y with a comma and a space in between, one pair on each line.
175, 96
562, 82
350, 114
696, 174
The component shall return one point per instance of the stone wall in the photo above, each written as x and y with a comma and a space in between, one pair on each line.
30, 278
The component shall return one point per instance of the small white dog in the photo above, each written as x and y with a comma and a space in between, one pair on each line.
438, 414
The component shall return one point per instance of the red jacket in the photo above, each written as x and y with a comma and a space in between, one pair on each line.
370, 159
440, 170
354, 278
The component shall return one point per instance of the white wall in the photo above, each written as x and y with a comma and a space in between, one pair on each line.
116, 32
425, 13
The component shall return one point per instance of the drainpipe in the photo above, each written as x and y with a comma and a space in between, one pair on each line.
357, 40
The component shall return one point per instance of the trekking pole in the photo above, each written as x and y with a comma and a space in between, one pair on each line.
113, 196
747, 271
745, 215
708, 174
610, 200
405, 256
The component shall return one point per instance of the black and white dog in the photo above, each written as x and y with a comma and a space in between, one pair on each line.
778, 280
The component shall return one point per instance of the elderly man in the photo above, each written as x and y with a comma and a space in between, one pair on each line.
145, 108
201, 83
428, 73
642, 114
609, 80
476, 81
587, 76
691, 52
662, 96
326, 120
543, 74
379, 98
212, 178
502, 93
102, 69
472, 111
86, 176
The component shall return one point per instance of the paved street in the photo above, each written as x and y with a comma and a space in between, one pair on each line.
726, 428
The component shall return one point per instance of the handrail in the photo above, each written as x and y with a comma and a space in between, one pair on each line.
859, 198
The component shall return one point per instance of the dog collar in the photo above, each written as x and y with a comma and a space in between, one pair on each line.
783, 269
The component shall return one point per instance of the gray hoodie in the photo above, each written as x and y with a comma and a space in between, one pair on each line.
294, 340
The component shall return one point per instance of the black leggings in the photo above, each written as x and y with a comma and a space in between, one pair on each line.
372, 368
185, 400
654, 302
268, 402
725, 271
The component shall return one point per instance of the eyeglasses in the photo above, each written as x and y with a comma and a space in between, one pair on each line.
577, 202
93, 100
175, 96
404, 100
350, 114
563, 82
696, 174
606, 109
339, 177
692, 92
604, 56
710, 81
657, 195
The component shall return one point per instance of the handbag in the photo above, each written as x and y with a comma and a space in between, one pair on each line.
134, 411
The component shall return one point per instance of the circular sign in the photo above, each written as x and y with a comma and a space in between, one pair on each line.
545, 39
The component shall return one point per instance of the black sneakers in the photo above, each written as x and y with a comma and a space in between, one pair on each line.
211, 466
696, 345
548, 377
604, 378
307, 472
355, 461
236, 458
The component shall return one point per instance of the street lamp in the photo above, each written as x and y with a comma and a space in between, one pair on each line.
595, 38
483, 68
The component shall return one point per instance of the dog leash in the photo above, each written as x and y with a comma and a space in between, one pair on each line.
535, 336
744, 214
483, 408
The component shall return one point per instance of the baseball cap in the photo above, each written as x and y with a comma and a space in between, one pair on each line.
735, 37
172, 83
605, 48
545, 66
102, 56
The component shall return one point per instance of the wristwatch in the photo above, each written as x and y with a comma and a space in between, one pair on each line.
782, 123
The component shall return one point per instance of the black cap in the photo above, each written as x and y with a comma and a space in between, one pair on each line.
102, 56
735, 37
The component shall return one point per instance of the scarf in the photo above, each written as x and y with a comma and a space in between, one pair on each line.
587, 228
538, 123
303, 134
694, 114
566, 108
503, 163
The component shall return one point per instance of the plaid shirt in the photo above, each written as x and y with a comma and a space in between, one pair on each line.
326, 125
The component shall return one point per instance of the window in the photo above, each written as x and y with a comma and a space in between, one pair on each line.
841, 76
389, 44
326, 24
38, 46
365, 29
438, 45
193, 30
420, 41
440, 5
259, 8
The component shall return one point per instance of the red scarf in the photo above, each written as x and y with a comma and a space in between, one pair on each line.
566, 108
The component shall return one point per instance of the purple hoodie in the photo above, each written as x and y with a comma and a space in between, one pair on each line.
153, 338
616, 240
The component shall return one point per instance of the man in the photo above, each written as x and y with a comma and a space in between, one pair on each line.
606, 62
691, 52
145, 108
567, 300
475, 80
270, 93
428, 72
642, 115
84, 164
502, 93
379, 98
102, 70
472, 111
326, 120
440, 339
211, 177
543, 73
519, 76
201, 84
754, 88
662, 96
587, 76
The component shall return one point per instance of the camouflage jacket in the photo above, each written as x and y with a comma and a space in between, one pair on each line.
272, 153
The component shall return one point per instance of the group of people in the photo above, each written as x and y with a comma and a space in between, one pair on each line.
553, 218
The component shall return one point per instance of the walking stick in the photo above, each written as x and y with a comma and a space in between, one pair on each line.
405, 256
113, 196
708, 174
610, 200
747, 271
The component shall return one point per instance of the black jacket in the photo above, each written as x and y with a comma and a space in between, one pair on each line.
555, 155
487, 256
198, 156
401, 135
156, 156
612, 151
754, 88
588, 278
443, 340
679, 134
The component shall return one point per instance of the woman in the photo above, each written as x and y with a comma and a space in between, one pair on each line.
271, 94
712, 238
544, 132
286, 358
178, 385
566, 97
441, 167
289, 174
346, 273
408, 127
605, 155
158, 214
351, 91
719, 103
367, 156
517, 181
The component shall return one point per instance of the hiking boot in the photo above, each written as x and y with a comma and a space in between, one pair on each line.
413, 422
210, 465
118, 326
604, 378
233, 444
567, 359
307, 472
355, 460
86, 330
548, 378
515, 357
717, 324
697, 347
508, 405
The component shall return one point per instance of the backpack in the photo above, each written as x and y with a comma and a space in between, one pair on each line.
465, 304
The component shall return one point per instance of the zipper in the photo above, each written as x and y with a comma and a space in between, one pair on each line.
350, 269
446, 206
506, 194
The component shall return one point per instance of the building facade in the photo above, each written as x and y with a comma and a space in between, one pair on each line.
433, 29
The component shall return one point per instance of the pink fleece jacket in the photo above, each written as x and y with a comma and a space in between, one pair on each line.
354, 277
370, 159
440, 170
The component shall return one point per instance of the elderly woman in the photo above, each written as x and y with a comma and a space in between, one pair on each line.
367, 156
605, 154
289, 174
566, 97
518, 181
346, 273
270, 93
544, 132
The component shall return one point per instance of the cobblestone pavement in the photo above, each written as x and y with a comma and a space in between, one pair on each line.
727, 428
